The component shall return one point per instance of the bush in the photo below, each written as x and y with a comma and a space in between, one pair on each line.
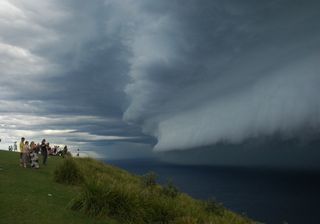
127, 203
187, 220
110, 192
149, 179
109, 200
164, 210
68, 173
170, 190
214, 207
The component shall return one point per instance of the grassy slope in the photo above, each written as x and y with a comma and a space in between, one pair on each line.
24, 193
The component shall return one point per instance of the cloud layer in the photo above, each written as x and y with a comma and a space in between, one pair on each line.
63, 73
226, 71
170, 74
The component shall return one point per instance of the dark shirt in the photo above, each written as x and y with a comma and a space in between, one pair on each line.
43, 148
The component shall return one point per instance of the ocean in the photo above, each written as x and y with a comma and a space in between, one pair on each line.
266, 195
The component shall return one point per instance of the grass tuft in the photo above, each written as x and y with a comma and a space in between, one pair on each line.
111, 192
170, 190
68, 172
149, 179
212, 206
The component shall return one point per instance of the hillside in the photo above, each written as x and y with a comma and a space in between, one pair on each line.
92, 192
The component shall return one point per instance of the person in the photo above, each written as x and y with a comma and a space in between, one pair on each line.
64, 151
32, 148
25, 154
44, 152
15, 148
38, 148
21, 145
59, 153
34, 156
32, 145
49, 149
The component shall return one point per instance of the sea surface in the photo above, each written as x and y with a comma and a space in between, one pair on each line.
266, 195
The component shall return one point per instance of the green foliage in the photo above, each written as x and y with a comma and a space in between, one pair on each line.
212, 206
109, 200
128, 205
24, 194
164, 210
68, 173
149, 179
103, 194
170, 190
112, 192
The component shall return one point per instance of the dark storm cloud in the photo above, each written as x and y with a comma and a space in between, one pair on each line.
64, 71
189, 73
225, 70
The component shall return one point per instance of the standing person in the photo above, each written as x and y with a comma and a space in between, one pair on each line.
25, 154
21, 146
64, 151
34, 156
44, 152
38, 148
15, 147
31, 149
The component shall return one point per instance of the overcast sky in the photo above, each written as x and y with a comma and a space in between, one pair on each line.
124, 78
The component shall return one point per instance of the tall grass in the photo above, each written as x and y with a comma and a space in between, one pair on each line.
111, 192
68, 172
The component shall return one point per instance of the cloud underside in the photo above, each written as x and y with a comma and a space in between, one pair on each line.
228, 72
188, 74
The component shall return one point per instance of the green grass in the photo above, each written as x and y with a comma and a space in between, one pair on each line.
100, 193
24, 195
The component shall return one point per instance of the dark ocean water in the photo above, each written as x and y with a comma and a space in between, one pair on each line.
266, 195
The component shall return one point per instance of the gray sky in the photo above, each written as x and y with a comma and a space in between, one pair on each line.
123, 78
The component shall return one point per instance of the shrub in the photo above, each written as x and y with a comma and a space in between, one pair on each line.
109, 200
170, 190
149, 179
68, 173
187, 220
113, 193
163, 210
214, 207
126, 203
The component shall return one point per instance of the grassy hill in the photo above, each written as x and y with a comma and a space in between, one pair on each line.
92, 192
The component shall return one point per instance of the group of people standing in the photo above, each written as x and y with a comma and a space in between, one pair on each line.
29, 153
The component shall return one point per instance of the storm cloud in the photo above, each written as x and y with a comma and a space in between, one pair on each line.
132, 75
226, 71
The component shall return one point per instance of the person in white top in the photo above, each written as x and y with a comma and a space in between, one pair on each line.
25, 154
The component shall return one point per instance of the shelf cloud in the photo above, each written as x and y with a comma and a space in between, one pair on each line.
225, 71
162, 76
